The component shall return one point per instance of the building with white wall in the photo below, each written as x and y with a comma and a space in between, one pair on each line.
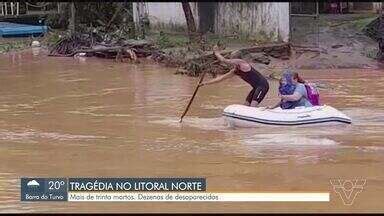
250, 19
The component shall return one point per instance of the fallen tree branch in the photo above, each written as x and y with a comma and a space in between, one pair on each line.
100, 49
317, 50
265, 48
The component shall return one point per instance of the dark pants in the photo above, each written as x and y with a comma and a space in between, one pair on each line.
257, 94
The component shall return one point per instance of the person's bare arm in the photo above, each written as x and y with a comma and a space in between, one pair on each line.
235, 62
222, 59
293, 97
230, 74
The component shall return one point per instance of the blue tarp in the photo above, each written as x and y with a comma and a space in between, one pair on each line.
15, 29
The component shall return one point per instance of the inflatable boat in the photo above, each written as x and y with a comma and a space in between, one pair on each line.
245, 116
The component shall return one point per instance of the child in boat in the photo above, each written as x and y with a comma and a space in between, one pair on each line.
286, 87
300, 95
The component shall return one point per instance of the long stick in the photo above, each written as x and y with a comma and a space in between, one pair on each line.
193, 96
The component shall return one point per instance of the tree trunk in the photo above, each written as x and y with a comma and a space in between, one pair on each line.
190, 21
128, 18
141, 9
72, 20
380, 54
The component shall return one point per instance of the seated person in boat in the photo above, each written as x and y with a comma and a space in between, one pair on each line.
291, 99
247, 73
286, 87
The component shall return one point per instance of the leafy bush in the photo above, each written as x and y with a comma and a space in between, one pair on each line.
167, 41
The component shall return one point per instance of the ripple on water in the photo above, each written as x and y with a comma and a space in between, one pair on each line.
287, 141
91, 111
29, 135
213, 107
366, 117
370, 148
108, 91
9, 187
74, 80
279, 148
196, 122
99, 115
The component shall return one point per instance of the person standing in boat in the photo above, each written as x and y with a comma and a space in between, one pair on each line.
246, 72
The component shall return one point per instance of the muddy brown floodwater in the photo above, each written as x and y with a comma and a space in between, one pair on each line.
64, 117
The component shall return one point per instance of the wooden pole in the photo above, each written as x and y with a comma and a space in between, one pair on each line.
193, 96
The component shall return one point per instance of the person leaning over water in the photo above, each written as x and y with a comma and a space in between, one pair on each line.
299, 96
246, 72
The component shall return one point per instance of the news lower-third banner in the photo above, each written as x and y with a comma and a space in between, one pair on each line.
146, 190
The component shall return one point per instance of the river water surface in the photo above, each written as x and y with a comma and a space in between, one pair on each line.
64, 117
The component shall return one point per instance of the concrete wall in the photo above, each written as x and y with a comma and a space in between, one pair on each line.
377, 6
163, 14
252, 19
265, 19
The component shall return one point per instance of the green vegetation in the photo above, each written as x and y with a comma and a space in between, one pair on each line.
13, 45
262, 37
163, 40
235, 40
170, 26
361, 23
356, 21
52, 37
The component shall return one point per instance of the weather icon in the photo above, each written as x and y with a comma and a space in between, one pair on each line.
33, 183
